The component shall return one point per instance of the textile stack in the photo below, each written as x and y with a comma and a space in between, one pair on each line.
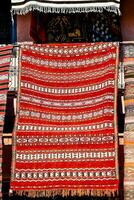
128, 54
65, 138
5, 59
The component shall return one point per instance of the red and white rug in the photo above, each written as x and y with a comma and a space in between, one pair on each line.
5, 60
65, 142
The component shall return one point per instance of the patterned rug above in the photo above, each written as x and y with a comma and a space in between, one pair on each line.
65, 141
72, 28
5, 59
65, 6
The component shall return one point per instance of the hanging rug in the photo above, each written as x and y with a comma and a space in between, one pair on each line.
66, 6
65, 138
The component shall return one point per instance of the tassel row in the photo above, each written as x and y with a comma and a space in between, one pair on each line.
66, 193
45, 9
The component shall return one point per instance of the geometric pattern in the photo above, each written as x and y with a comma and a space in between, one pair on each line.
128, 64
13, 70
65, 140
5, 59
60, 6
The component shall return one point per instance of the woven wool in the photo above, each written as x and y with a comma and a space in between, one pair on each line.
72, 27
129, 165
64, 6
65, 141
128, 62
5, 58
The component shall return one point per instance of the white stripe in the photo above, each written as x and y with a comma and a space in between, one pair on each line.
54, 5
130, 183
17, 1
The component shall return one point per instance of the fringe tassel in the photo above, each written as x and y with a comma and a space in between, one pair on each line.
66, 193
45, 9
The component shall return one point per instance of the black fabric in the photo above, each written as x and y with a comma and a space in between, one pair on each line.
82, 27
5, 22
9, 116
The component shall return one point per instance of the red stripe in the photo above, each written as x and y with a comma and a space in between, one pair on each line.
89, 67
80, 184
3, 81
6, 48
4, 91
4, 56
62, 146
5, 64
4, 68
92, 132
88, 74
109, 89
63, 165
89, 55
47, 122
3, 108
3, 88
35, 81
43, 109
69, 107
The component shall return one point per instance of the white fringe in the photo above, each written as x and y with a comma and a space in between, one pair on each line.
29, 8
66, 193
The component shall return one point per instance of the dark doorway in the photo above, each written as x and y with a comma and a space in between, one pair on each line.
5, 22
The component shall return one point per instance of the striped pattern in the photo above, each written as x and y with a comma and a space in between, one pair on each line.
66, 6
128, 62
5, 59
65, 141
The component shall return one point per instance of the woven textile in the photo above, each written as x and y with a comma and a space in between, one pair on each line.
64, 6
65, 140
129, 165
5, 57
128, 62
83, 27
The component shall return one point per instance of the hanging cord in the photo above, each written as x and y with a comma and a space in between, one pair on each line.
13, 28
